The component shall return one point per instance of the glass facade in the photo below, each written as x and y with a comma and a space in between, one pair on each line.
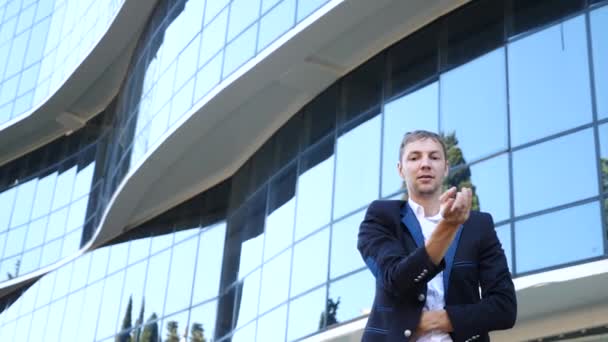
270, 253
41, 44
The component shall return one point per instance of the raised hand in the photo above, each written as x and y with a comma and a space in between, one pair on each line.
456, 206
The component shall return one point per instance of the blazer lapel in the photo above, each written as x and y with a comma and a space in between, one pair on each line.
449, 262
411, 223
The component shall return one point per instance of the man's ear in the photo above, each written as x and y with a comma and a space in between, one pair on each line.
447, 170
400, 169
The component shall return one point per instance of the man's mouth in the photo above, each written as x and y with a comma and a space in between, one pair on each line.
426, 177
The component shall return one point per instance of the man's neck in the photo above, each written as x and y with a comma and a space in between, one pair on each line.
430, 204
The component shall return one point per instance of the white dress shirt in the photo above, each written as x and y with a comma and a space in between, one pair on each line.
434, 293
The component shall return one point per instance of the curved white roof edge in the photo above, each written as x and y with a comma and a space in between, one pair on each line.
294, 69
72, 104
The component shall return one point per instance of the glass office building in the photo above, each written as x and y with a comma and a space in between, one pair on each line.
196, 170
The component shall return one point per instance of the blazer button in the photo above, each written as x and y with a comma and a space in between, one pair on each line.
407, 333
421, 297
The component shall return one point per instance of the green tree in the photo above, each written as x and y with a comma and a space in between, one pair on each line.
172, 334
197, 333
150, 333
124, 335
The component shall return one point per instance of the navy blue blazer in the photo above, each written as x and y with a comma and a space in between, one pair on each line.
392, 245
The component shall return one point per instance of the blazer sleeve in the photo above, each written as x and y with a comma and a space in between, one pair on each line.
400, 273
498, 307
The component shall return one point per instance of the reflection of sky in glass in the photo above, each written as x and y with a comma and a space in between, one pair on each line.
7, 200
209, 265
246, 334
118, 256
138, 249
111, 313
469, 102
53, 325
81, 271
344, 254
307, 7
92, 300
23, 203
358, 159
181, 276
356, 294
417, 110
279, 229
560, 237
599, 27
542, 173
134, 288
205, 315
549, 81
251, 255
247, 308
491, 181
272, 326
37, 332
99, 263
61, 284
44, 194
315, 187
310, 262
156, 283
276, 22
275, 281
304, 314
71, 316
504, 235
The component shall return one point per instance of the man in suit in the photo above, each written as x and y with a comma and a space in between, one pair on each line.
430, 256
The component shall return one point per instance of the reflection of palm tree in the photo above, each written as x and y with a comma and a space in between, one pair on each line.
460, 175
604, 165
16, 273
329, 316
197, 333
172, 334
150, 333
124, 335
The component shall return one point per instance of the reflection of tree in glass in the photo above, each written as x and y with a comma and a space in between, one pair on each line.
329, 316
197, 333
138, 323
604, 165
150, 333
459, 176
16, 273
172, 334
124, 335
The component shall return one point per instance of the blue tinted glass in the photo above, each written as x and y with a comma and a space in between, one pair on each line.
187, 63
7, 200
357, 182
490, 180
541, 168
26, 17
355, 295
56, 225
99, 264
245, 334
23, 103
307, 7
138, 249
504, 236
23, 203
156, 283
181, 102
118, 257
110, 311
267, 4
246, 306
35, 233
72, 315
603, 130
208, 77
92, 301
213, 7
559, 245
242, 14
469, 102
53, 325
275, 281
15, 61
205, 315
61, 283
9, 89
344, 254
415, 111
77, 214
15, 240
549, 82
7, 32
45, 8
240, 50
81, 271
599, 29
304, 314
272, 326
276, 22
44, 195
84, 178
214, 37
37, 41
310, 262
30, 260
209, 264
38, 324
65, 182
181, 275
71, 243
279, 229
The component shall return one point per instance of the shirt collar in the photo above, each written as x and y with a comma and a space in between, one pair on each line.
419, 211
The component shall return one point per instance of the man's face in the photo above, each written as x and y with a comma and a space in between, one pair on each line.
423, 167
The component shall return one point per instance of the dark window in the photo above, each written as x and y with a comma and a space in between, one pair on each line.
319, 116
363, 89
530, 14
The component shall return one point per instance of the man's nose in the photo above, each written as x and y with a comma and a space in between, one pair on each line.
425, 162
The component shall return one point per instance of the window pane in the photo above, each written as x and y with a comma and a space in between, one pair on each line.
245, 334
213, 37
110, 312
357, 182
344, 254
134, 290
181, 274
7, 200
354, 294
156, 283
23, 203
417, 110
304, 314
490, 180
541, 168
99, 264
504, 235
599, 29
71, 318
78, 212
81, 271
118, 257
15, 240
246, 306
307, 7
469, 102
276, 22
558, 245
530, 14
315, 187
213, 7
174, 326
275, 281
209, 264
138, 249
44, 195
242, 14
310, 262
362, 90
240, 50
88, 323
39, 319
61, 282
279, 222
56, 225
272, 326
53, 326
65, 182
30, 261
83, 181
549, 82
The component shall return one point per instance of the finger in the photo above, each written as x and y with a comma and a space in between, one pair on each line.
446, 208
458, 202
447, 194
